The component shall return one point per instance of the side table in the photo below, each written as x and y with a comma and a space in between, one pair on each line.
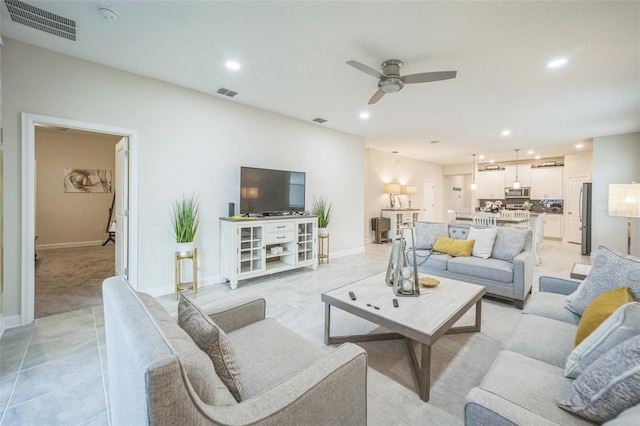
323, 248
191, 285
580, 271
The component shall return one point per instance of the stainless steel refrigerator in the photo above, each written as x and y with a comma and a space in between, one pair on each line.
585, 217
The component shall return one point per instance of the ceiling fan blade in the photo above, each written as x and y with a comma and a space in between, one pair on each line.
376, 97
426, 77
366, 69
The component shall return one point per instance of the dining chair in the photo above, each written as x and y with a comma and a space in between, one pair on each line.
484, 219
452, 216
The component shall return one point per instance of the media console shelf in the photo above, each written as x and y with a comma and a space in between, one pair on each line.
254, 247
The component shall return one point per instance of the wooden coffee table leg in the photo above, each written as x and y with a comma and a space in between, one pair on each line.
421, 370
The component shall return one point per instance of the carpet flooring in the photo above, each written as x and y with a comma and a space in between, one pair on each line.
71, 278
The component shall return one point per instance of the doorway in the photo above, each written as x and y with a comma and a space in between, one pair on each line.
29, 123
428, 212
71, 219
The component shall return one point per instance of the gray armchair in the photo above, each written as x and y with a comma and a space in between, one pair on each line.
286, 379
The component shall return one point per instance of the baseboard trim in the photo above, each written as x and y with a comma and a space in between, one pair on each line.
9, 322
349, 252
69, 245
202, 283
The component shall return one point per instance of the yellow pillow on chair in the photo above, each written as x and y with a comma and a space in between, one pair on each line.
453, 247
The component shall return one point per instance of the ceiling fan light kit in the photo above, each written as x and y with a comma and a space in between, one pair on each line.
390, 80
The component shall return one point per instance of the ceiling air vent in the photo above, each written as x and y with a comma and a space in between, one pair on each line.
41, 19
319, 120
227, 92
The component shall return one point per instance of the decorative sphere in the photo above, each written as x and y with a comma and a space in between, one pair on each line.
406, 273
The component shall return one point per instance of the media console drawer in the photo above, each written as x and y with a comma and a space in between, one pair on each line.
280, 227
280, 237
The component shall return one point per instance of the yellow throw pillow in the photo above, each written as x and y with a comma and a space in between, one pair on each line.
600, 309
453, 247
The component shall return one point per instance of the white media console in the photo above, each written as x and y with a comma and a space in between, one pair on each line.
254, 247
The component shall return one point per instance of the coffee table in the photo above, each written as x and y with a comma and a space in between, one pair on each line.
421, 319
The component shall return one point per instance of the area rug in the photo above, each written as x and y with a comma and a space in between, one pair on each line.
71, 278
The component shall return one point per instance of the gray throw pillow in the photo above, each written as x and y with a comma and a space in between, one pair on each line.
426, 234
610, 270
623, 324
213, 341
608, 386
509, 243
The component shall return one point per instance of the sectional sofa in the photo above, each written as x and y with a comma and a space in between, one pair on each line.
503, 263
540, 369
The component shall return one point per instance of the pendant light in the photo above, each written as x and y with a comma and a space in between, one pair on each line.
474, 185
516, 183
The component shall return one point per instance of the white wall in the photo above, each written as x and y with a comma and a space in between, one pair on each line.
189, 141
384, 168
616, 159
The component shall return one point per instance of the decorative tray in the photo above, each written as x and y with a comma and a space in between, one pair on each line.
429, 282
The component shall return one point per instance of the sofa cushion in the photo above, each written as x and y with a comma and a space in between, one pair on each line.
509, 243
544, 339
623, 324
608, 386
259, 368
213, 341
610, 270
196, 363
531, 384
550, 305
426, 233
490, 269
431, 260
600, 309
452, 246
484, 239
459, 232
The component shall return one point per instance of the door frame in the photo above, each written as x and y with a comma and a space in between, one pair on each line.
29, 122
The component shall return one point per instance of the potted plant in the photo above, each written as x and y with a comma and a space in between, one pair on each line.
322, 208
184, 219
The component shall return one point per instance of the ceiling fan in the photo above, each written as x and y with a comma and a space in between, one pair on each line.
390, 80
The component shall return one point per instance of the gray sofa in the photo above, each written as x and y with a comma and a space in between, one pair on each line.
505, 275
527, 379
157, 374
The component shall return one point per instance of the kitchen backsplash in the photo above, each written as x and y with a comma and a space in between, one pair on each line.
537, 206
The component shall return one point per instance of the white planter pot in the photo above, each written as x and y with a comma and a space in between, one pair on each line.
323, 231
185, 248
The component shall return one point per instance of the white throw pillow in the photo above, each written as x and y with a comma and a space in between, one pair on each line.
485, 238
623, 324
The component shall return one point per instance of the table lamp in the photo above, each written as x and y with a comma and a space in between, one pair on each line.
624, 201
391, 189
409, 190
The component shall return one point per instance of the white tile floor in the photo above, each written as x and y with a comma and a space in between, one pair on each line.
52, 372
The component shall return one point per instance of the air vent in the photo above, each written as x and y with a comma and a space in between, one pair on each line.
41, 19
227, 92
319, 120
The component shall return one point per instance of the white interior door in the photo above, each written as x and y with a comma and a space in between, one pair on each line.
122, 208
574, 234
428, 212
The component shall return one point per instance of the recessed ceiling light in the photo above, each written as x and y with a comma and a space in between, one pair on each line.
538, 157
530, 152
434, 142
481, 157
492, 161
579, 145
506, 132
557, 63
364, 115
233, 65
395, 152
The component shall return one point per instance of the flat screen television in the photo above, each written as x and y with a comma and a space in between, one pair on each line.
270, 192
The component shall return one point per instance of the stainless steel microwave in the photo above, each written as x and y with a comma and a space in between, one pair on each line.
516, 192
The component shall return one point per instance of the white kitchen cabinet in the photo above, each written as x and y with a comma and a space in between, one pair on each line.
546, 183
524, 174
553, 226
491, 184
254, 247
399, 218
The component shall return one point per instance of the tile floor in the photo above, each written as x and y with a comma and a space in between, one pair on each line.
53, 371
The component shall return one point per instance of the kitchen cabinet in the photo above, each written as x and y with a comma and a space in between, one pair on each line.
546, 183
524, 174
491, 184
553, 226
